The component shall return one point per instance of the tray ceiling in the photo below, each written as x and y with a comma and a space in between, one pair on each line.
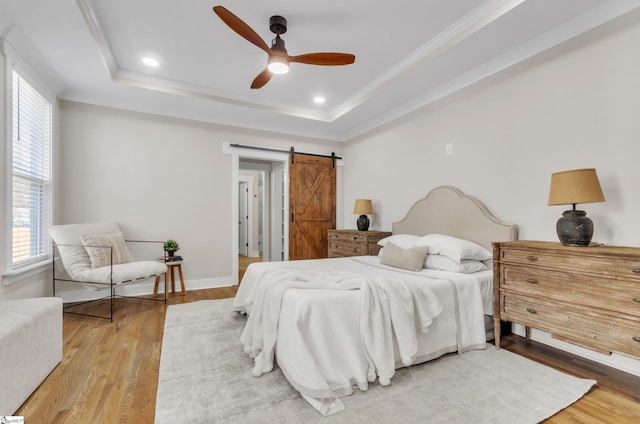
408, 54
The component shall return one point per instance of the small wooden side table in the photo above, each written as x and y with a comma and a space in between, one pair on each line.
171, 266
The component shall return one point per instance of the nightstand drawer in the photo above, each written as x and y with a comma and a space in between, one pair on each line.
354, 243
576, 325
349, 237
583, 262
340, 248
616, 295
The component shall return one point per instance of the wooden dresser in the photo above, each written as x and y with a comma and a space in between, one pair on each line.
588, 296
354, 243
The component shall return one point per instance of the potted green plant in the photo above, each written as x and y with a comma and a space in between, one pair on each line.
171, 247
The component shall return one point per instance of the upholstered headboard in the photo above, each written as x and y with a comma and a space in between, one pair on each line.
447, 210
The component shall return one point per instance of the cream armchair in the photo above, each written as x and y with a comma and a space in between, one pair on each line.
96, 256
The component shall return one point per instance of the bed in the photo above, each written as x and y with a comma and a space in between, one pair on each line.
322, 341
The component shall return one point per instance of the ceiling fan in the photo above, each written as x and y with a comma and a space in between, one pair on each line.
278, 62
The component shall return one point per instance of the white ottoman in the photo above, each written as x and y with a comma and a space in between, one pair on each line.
30, 347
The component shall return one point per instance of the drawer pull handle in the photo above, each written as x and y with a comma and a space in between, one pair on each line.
636, 270
636, 299
532, 311
532, 281
636, 338
532, 258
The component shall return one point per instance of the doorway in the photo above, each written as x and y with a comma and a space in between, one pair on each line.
275, 230
263, 184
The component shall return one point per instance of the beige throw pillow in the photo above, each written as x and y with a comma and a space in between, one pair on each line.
101, 256
411, 258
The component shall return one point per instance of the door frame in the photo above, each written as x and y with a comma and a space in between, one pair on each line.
236, 154
249, 180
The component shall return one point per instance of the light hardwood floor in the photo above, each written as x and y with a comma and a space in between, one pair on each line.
109, 371
244, 262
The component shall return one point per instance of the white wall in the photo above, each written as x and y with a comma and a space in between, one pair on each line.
159, 178
575, 106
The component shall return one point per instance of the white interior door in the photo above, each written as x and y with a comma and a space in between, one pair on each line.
280, 223
243, 218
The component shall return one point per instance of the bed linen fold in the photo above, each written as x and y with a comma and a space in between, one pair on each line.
391, 309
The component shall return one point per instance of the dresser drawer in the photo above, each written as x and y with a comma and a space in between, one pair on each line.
577, 325
348, 237
340, 249
612, 294
613, 266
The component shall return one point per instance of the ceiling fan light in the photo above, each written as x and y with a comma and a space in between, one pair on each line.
278, 65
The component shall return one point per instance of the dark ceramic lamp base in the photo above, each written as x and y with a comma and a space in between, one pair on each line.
574, 228
363, 223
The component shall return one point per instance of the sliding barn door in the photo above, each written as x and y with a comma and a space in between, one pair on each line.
312, 205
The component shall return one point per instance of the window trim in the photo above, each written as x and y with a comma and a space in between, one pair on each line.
13, 61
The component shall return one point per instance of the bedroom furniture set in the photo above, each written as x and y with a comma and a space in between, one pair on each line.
440, 282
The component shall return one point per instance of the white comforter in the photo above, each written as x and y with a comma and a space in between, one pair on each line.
391, 308
319, 330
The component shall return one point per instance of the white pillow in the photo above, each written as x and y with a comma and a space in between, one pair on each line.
402, 240
101, 256
411, 258
454, 248
442, 263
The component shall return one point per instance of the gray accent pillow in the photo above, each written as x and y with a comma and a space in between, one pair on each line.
411, 258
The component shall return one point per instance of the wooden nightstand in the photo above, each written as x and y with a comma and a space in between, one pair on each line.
588, 296
344, 243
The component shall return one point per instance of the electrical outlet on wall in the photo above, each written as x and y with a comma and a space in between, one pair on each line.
449, 149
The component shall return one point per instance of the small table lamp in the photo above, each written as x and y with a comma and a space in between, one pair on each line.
570, 188
363, 208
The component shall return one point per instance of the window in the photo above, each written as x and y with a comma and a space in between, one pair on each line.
30, 179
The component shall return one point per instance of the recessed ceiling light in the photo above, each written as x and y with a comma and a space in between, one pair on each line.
149, 61
318, 99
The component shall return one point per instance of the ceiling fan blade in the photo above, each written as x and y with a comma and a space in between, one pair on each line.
240, 27
326, 59
262, 78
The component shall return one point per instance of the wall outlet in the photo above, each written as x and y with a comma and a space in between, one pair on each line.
449, 149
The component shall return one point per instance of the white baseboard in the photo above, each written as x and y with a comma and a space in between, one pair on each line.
143, 288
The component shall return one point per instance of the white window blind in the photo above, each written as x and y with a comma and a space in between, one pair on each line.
31, 173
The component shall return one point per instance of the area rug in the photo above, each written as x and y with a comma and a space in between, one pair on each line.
206, 378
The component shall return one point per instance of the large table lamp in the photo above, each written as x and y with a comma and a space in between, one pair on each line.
363, 208
570, 188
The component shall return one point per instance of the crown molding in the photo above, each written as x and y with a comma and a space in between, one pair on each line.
585, 22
